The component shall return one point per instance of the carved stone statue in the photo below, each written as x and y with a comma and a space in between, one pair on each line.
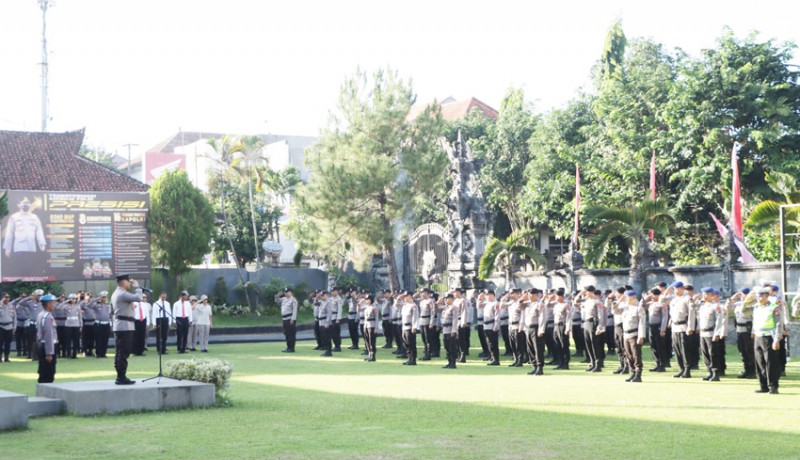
467, 219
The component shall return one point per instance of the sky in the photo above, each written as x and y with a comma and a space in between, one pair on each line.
138, 71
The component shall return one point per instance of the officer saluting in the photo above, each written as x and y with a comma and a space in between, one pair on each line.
289, 316
122, 303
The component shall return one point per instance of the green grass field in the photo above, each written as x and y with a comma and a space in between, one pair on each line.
304, 406
304, 317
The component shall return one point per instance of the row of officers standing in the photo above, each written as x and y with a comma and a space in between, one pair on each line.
537, 325
83, 324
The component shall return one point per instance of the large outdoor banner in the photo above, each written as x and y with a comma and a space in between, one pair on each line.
70, 236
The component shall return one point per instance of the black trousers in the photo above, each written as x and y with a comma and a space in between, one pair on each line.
693, 349
102, 334
512, 336
744, 342
336, 334
363, 332
325, 336
426, 340
318, 334
388, 332
482, 340
451, 347
88, 334
562, 345
549, 339
712, 354
504, 335
493, 345
139, 336
182, 333
61, 347
658, 345
633, 353
290, 332
21, 340
162, 333
397, 333
370, 340
610, 339
463, 341
766, 363
594, 343
47, 371
5, 342
352, 328
73, 344
679, 344
522, 347
577, 337
781, 356
33, 346
619, 341
535, 346
435, 338
410, 344
123, 340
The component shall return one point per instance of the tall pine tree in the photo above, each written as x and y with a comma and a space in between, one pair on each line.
369, 169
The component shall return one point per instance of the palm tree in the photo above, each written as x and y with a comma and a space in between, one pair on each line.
249, 162
501, 253
632, 223
767, 213
282, 184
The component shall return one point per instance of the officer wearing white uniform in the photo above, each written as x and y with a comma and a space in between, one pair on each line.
712, 319
682, 321
162, 319
144, 321
202, 322
371, 318
450, 312
409, 316
182, 314
535, 320
491, 326
426, 309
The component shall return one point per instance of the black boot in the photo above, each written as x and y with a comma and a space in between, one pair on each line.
493, 363
425, 357
687, 374
620, 370
539, 370
327, 353
637, 377
714, 377
631, 377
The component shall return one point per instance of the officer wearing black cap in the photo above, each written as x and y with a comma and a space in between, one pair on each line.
289, 316
122, 303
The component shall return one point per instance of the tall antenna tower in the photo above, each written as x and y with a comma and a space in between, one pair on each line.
44, 5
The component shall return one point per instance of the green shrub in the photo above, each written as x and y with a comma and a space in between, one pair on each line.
220, 295
214, 371
231, 310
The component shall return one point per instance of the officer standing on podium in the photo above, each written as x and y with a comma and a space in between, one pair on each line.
122, 302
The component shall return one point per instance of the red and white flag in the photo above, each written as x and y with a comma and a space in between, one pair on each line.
652, 185
747, 257
577, 204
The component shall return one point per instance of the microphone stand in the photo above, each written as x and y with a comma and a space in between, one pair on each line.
160, 375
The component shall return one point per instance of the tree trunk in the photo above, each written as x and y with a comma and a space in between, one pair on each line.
391, 265
509, 277
230, 242
253, 212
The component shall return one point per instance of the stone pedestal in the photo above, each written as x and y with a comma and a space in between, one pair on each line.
104, 397
13, 411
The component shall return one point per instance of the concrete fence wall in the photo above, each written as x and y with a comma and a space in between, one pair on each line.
697, 275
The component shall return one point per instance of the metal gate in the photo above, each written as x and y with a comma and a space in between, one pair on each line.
426, 258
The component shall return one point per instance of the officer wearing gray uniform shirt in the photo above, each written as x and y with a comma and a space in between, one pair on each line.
634, 325
46, 340
682, 322
535, 327
102, 314
8, 324
325, 317
60, 315
122, 303
34, 308
658, 317
450, 313
712, 323
289, 317
88, 331
744, 330
22, 326
72, 328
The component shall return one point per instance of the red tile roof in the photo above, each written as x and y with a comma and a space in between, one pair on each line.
457, 110
50, 162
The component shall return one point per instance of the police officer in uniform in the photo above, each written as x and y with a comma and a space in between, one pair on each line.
535, 320
768, 331
34, 308
450, 312
8, 325
577, 331
325, 318
712, 321
162, 317
182, 314
46, 340
464, 324
681, 319
386, 318
336, 327
144, 321
371, 318
594, 326
289, 316
479, 328
562, 315
60, 315
352, 319
658, 317
72, 323
491, 325
515, 331
743, 317
88, 332
634, 325
410, 318
102, 324
122, 303
612, 300
20, 338
426, 308
436, 328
